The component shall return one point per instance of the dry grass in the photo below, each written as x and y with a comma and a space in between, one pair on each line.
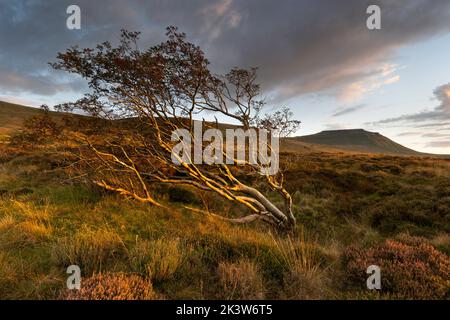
159, 259
240, 280
23, 224
304, 277
8, 271
441, 240
298, 253
92, 250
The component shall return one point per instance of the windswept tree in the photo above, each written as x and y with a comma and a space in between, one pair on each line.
142, 104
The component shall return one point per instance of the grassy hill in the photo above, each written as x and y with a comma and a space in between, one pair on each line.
13, 115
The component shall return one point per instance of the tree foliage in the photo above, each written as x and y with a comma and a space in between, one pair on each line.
137, 99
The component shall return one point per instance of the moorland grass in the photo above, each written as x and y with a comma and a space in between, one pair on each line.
48, 222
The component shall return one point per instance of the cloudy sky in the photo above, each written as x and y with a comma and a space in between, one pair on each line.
315, 56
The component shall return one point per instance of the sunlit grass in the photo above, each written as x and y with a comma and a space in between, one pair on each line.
48, 223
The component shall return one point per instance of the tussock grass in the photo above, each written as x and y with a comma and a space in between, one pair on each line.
158, 259
298, 253
304, 276
23, 224
92, 250
240, 280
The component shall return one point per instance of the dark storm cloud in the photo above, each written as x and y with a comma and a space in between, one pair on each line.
300, 46
440, 113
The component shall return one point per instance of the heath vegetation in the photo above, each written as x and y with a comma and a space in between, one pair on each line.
101, 191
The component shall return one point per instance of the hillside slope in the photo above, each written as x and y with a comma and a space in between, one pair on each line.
13, 115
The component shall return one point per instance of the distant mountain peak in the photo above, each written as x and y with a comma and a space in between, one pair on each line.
357, 140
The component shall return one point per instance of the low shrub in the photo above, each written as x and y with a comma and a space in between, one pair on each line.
411, 268
112, 286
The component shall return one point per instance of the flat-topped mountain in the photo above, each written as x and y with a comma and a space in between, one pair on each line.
357, 140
